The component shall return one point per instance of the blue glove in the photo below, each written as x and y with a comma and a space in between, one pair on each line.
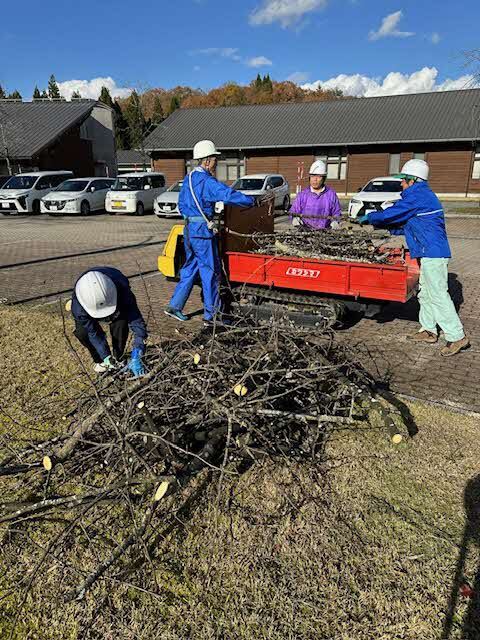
135, 363
363, 220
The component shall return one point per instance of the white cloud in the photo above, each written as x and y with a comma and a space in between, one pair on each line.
223, 52
389, 28
286, 12
435, 38
299, 77
393, 83
92, 88
259, 61
197, 68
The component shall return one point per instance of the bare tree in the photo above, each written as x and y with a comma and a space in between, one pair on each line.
4, 144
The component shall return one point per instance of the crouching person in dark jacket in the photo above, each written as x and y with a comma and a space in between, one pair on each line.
103, 295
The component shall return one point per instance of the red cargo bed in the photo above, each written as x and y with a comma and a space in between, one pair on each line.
394, 281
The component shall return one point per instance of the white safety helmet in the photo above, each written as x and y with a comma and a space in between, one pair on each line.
415, 169
318, 168
97, 294
204, 149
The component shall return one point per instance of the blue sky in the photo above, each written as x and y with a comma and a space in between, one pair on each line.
366, 47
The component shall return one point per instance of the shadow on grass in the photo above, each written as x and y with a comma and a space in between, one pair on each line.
470, 624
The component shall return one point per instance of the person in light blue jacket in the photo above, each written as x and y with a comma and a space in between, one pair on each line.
200, 192
419, 216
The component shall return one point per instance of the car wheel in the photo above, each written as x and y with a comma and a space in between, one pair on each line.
36, 207
140, 209
85, 208
286, 203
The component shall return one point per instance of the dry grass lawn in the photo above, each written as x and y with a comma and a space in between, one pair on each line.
362, 547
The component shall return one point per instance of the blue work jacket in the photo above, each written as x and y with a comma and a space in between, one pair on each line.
208, 190
126, 306
419, 215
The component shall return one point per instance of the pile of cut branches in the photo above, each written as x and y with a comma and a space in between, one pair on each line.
341, 244
210, 405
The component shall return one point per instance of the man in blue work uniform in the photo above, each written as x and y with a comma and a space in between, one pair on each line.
419, 216
103, 295
200, 192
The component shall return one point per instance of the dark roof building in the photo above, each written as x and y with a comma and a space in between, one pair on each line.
54, 134
132, 160
359, 137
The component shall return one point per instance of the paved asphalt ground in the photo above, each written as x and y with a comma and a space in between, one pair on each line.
40, 257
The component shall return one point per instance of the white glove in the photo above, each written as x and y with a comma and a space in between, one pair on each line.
296, 222
335, 225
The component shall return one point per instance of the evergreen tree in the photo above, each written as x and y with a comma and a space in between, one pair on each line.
76, 95
36, 93
174, 105
44, 95
267, 84
105, 97
157, 113
122, 134
53, 90
2, 93
16, 95
258, 82
135, 120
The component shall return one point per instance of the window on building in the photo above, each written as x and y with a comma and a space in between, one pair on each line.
419, 156
336, 163
229, 168
476, 165
394, 164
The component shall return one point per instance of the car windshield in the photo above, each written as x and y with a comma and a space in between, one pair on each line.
21, 182
73, 185
176, 188
249, 184
130, 183
380, 186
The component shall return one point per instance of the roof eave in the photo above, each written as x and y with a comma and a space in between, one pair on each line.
322, 144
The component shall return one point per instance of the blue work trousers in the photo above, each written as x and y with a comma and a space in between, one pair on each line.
202, 260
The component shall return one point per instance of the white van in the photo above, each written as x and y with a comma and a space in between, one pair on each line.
135, 192
23, 192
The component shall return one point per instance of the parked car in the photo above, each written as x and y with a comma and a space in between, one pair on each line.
166, 204
22, 193
376, 195
135, 192
259, 184
80, 195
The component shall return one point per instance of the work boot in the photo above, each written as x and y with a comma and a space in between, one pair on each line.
175, 313
452, 348
423, 336
99, 367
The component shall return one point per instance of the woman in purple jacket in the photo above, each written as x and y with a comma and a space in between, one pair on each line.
317, 206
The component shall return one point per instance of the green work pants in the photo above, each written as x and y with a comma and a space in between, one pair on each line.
436, 306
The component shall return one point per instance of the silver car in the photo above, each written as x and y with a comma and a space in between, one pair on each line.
166, 204
259, 184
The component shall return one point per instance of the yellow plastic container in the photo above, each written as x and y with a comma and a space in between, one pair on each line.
166, 262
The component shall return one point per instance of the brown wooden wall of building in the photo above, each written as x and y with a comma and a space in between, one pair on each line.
449, 170
362, 167
450, 165
173, 168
